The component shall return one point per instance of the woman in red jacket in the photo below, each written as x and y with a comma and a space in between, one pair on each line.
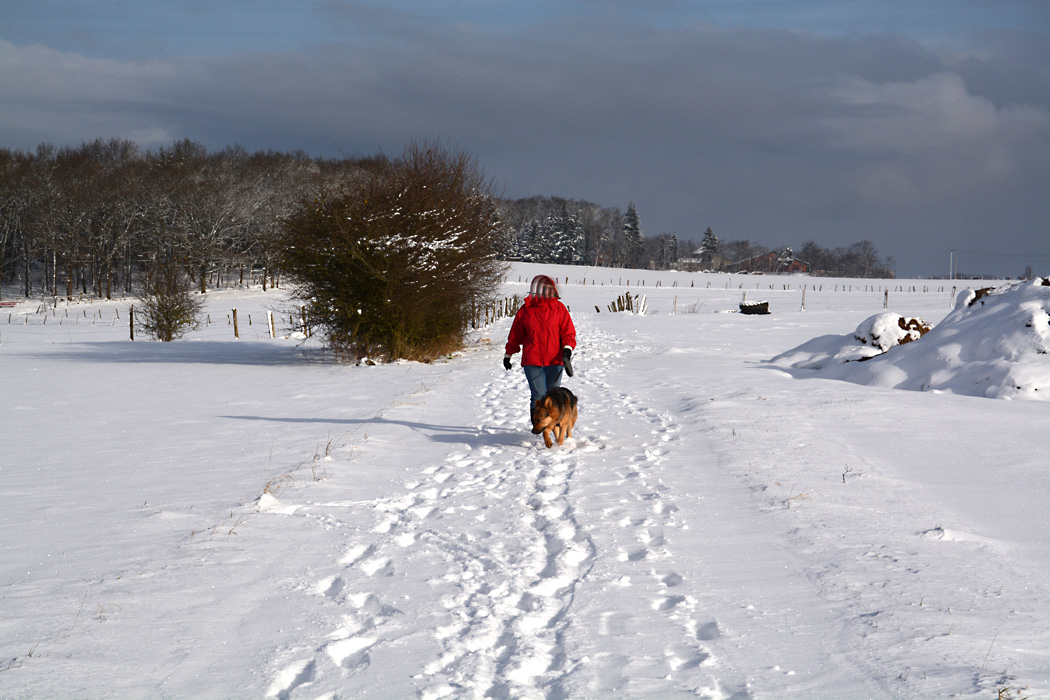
544, 332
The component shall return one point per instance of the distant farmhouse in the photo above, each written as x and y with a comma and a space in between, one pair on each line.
773, 262
703, 263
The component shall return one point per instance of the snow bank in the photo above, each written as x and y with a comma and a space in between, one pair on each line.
874, 336
995, 343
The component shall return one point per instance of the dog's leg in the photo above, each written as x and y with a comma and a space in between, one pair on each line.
547, 438
556, 432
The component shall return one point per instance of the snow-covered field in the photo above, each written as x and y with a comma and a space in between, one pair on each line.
217, 518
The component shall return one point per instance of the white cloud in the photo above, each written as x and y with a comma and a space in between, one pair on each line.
150, 136
65, 98
33, 72
932, 137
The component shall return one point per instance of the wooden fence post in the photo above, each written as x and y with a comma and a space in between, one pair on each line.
131, 320
235, 333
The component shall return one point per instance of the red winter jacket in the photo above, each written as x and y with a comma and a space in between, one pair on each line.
541, 328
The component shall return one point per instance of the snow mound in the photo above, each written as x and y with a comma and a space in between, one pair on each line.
995, 344
874, 336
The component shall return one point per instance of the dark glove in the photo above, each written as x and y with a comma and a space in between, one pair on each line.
566, 359
506, 362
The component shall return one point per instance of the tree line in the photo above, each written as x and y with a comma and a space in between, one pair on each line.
578, 232
857, 260
107, 215
99, 217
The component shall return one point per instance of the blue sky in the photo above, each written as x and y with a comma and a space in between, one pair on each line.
923, 126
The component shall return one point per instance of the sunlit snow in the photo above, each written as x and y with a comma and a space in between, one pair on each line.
246, 518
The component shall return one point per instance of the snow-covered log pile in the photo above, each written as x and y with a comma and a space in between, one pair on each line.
995, 343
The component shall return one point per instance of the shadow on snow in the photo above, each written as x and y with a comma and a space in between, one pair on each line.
243, 352
476, 437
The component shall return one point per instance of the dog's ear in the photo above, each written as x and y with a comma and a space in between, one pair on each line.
548, 402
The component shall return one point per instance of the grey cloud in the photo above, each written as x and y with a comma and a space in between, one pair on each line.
770, 135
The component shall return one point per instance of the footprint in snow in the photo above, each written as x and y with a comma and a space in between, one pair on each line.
653, 538
708, 631
684, 656
330, 587
351, 652
671, 580
356, 554
668, 602
291, 677
379, 566
633, 553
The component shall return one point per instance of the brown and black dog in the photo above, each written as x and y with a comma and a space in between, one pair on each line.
554, 414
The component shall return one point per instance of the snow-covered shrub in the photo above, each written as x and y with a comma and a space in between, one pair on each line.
393, 268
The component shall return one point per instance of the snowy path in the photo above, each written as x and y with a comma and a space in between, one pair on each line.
617, 565
537, 588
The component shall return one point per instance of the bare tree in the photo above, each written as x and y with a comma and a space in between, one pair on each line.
16, 208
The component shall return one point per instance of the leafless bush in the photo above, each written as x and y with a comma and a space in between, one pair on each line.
169, 309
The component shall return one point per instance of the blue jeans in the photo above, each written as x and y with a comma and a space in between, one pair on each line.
541, 380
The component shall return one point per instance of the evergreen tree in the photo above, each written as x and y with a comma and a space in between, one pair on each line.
526, 241
547, 236
536, 236
567, 237
530, 241
708, 249
634, 241
511, 246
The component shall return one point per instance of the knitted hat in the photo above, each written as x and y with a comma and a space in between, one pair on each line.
543, 286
